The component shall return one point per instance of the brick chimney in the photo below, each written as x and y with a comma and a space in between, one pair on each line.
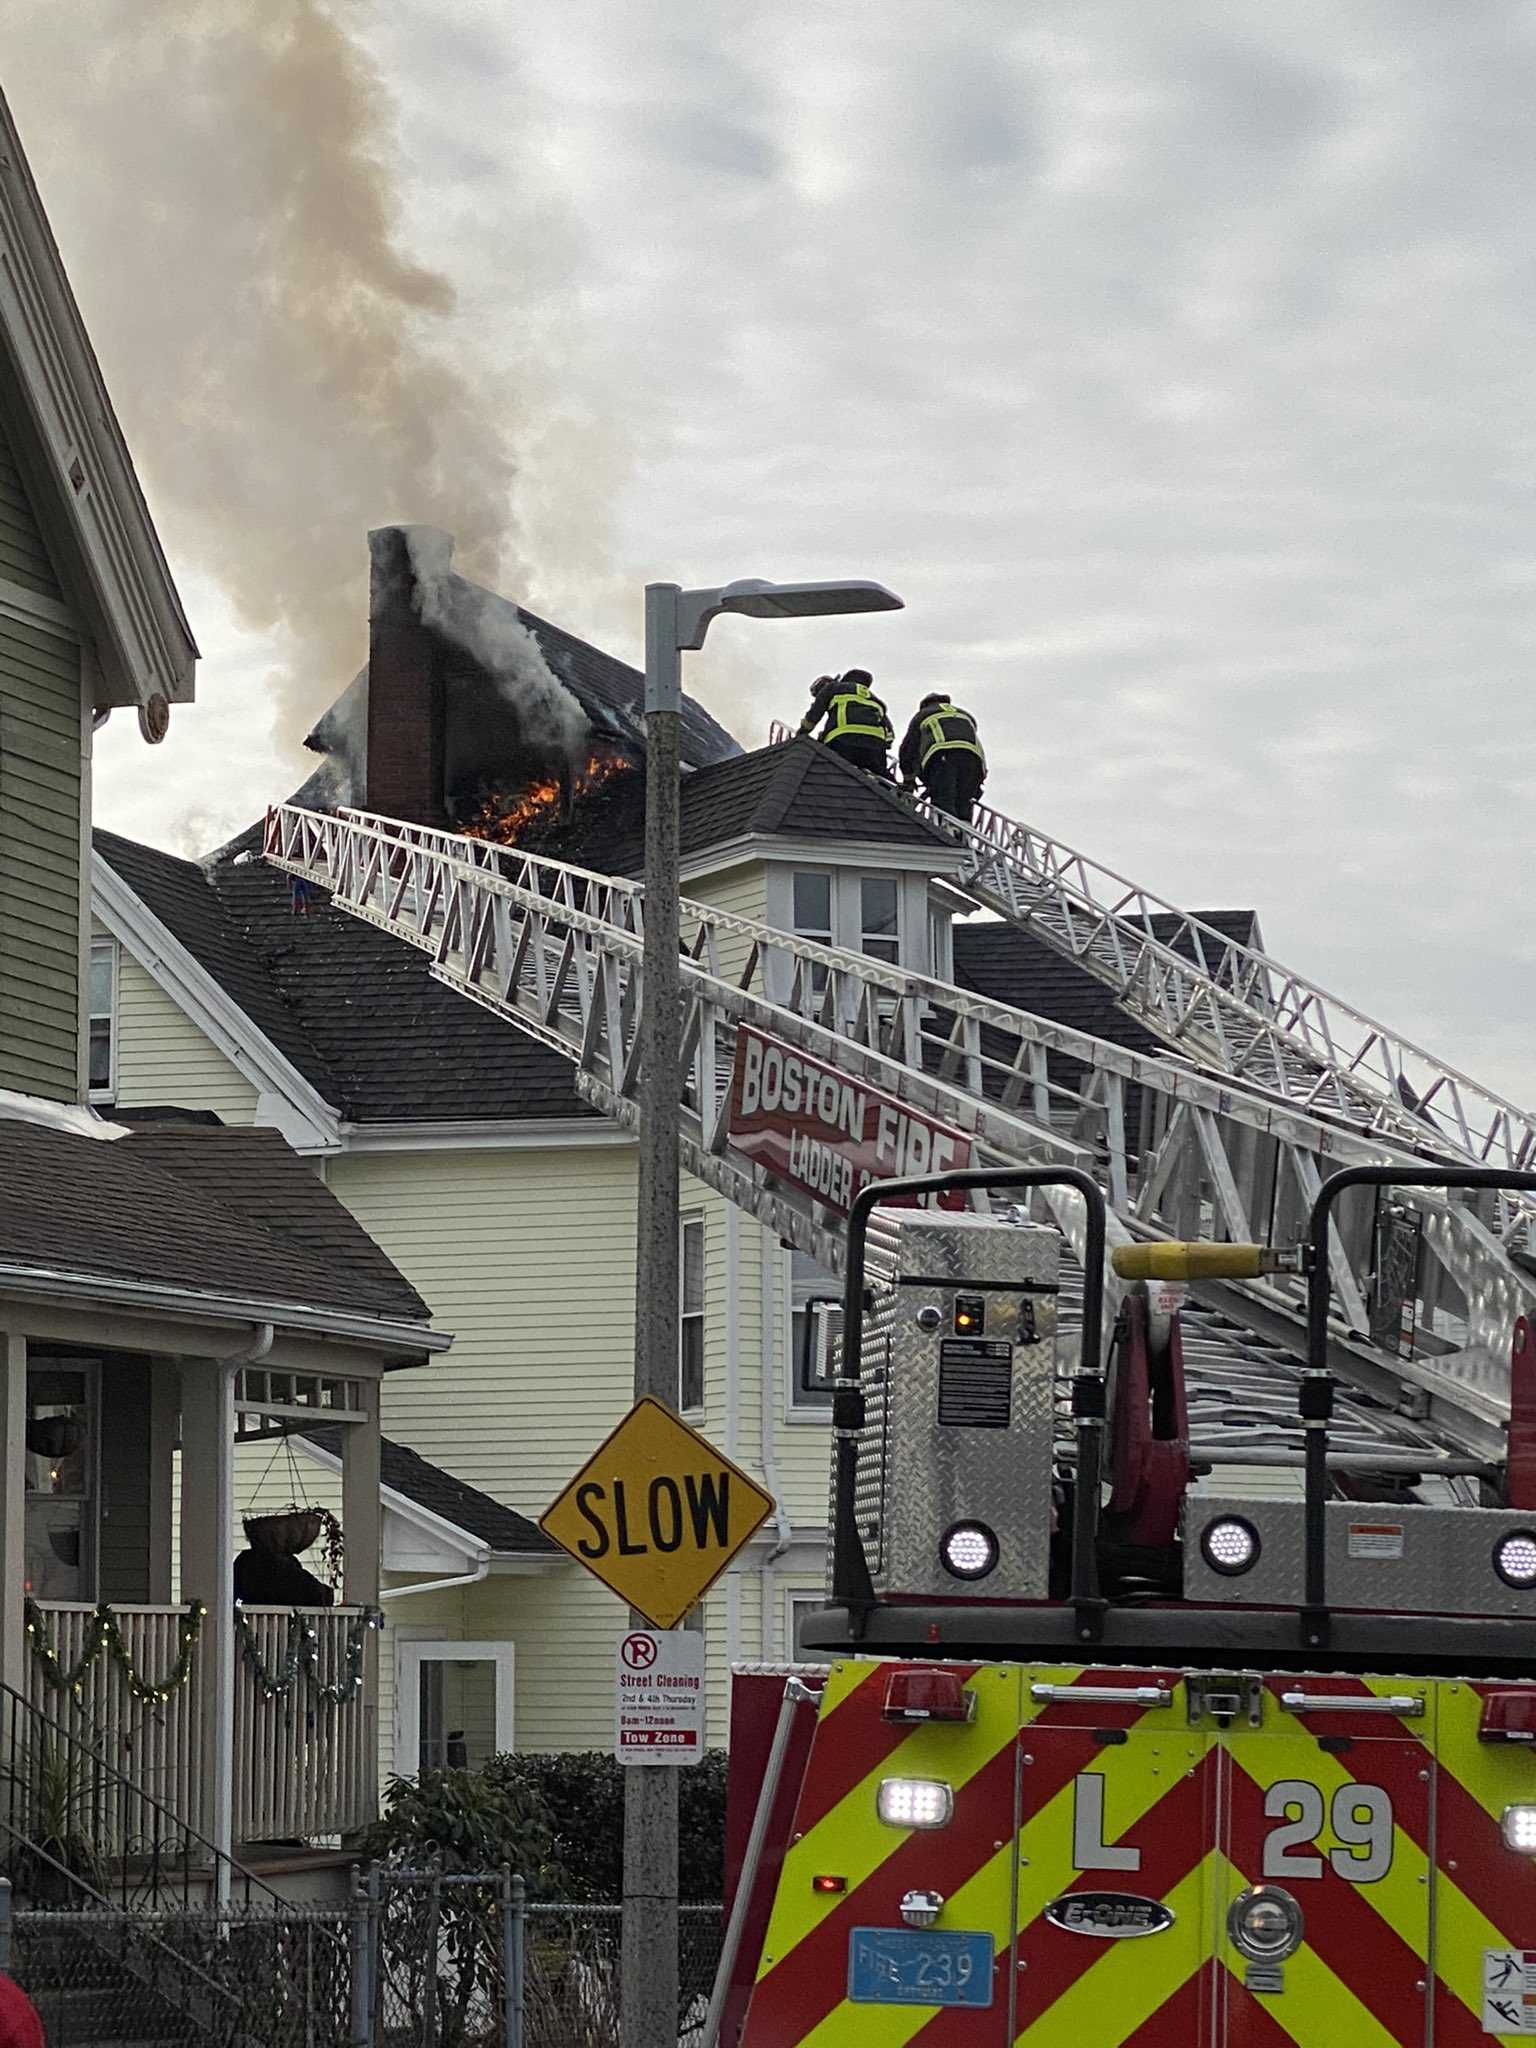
404, 771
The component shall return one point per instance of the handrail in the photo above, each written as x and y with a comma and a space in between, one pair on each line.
212, 1855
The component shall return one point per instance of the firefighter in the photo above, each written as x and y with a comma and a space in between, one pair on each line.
943, 750
857, 724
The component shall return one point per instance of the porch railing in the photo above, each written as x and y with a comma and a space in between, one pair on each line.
153, 1745
306, 1723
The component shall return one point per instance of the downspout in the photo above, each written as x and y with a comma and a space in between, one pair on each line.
768, 1323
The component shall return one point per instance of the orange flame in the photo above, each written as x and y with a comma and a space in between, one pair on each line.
507, 819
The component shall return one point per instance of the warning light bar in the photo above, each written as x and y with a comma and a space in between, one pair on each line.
1203, 1261
1507, 1717
927, 1696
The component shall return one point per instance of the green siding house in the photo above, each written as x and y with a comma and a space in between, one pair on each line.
89, 623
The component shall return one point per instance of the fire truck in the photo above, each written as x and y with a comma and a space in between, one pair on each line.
1110, 1750
1180, 1594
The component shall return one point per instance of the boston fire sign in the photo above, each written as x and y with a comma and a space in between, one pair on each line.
803, 1122
657, 1513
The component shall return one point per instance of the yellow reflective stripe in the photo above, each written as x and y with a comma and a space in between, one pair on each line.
983, 1905
1400, 1897
1494, 1775
852, 1841
1126, 1986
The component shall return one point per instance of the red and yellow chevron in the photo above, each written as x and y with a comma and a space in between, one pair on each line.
1384, 1827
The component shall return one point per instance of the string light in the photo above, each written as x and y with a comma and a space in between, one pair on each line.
103, 1637
299, 1658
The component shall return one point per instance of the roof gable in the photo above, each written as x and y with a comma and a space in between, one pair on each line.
73, 453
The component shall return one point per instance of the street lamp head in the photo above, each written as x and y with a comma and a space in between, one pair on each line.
758, 599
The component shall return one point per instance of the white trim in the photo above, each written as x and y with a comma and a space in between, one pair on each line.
95, 494
373, 1333
409, 1658
300, 1112
485, 1134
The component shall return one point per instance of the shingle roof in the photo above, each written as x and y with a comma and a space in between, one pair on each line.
177, 892
800, 790
406, 1472
204, 1210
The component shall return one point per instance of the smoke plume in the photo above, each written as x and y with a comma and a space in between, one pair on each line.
287, 377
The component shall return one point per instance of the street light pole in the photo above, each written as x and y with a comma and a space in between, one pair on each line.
648, 1968
675, 619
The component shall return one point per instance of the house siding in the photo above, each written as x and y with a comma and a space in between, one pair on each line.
743, 892
24, 555
162, 1057
41, 776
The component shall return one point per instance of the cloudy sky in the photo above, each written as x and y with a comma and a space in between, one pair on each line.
1170, 357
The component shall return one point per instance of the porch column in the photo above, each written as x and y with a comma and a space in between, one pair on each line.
362, 1524
208, 1571
13, 1507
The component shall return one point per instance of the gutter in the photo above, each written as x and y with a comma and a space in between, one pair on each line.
380, 1332
439, 1585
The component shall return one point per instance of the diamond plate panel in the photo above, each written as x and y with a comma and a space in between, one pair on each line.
1381, 1559
919, 1475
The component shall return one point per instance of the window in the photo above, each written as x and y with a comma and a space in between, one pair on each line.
454, 1704
796, 1607
815, 1297
879, 921
101, 1007
690, 1336
813, 907
61, 1479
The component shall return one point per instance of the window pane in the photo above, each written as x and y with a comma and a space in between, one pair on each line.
693, 1265
813, 904
101, 1052
101, 981
430, 1707
691, 1368
878, 898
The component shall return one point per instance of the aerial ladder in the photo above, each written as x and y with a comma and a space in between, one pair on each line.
1145, 1759
1180, 1147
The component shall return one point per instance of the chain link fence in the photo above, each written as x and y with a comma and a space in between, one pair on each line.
415, 1959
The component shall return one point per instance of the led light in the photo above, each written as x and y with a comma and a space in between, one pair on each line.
915, 1802
826, 1882
1519, 1829
1265, 1924
970, 1315
1230, 1546
1514, 1559
969, 1550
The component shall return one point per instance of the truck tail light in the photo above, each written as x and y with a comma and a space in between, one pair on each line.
1507, 1717
915, 1802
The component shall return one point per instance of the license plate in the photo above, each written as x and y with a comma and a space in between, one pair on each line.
911, 1966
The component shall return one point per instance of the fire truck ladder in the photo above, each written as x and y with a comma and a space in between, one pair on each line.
557, 951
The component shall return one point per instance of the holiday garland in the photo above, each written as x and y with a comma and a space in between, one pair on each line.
299, 1658
105, 1639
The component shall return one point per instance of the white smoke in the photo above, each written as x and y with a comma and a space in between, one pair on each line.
287, 376
552, 722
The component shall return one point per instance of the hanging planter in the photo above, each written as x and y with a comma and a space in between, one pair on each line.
294, 1529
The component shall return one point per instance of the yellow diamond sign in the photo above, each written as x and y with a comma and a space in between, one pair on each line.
657, 1513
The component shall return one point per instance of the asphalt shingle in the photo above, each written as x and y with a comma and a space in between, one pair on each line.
170, 1208
406, 1472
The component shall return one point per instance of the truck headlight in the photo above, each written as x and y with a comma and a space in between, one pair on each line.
915, 1802
969, 1550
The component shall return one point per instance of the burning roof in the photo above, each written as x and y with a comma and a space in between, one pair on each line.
471, 705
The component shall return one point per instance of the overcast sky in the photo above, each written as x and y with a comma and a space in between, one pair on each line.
1170, 357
